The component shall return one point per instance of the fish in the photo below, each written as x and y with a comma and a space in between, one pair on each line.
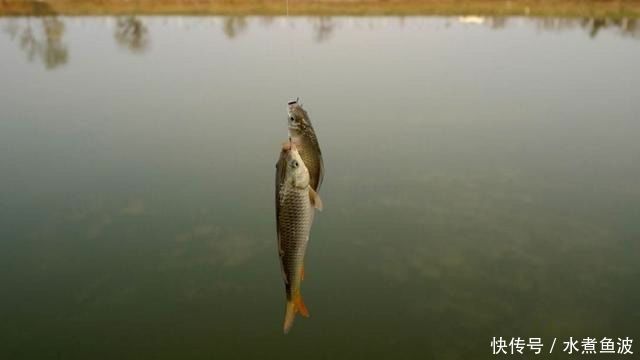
301, 132
296, 202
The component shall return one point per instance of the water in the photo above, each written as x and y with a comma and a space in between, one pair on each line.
482, 179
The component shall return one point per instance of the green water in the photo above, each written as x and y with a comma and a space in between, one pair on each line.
481, 180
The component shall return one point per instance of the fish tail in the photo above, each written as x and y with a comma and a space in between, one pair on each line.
300, 306
296, 305
290, 314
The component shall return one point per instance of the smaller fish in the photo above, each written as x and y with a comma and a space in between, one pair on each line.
301, 132
295, 203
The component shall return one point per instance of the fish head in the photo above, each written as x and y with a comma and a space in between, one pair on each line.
297, 173
298, 119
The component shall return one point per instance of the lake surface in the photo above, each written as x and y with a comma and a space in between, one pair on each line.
482, 179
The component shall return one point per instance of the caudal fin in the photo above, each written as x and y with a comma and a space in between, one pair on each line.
293, 307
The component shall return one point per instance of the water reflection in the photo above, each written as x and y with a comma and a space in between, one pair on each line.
234, 26
132, 34
323, 27
625, 26
42, 37
44, 42
137, 200
592, 26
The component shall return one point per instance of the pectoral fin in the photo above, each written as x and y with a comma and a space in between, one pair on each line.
315, 199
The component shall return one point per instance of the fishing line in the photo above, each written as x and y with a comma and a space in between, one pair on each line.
294, 72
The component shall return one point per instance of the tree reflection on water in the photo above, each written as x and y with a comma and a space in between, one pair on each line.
323, 27
42, 42
234, 25
626, 26
42, 37
132, 34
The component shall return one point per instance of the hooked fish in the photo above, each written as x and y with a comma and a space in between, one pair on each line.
295, 203
301, 132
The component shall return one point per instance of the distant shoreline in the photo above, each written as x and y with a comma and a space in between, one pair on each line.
614, 9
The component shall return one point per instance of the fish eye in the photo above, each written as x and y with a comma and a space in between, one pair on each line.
294, 164
292, 119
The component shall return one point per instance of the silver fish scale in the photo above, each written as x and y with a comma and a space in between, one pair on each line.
295, 219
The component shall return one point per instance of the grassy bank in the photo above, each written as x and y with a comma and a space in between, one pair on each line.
540, 8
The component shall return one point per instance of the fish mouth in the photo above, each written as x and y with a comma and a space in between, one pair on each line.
292, 102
